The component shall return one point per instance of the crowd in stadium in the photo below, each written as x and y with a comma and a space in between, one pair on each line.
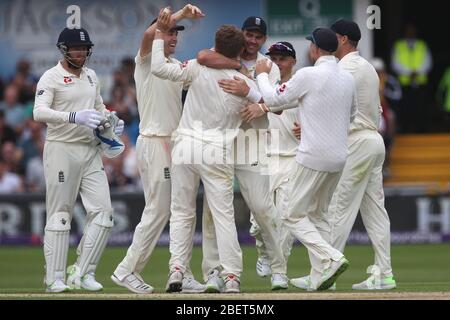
22, 139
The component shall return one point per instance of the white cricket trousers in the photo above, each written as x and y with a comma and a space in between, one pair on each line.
69, 169
154, 161
281, 170
307, 219
218, 186
254, 187
360, 188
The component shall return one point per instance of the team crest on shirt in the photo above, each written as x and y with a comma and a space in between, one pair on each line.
68, 80
184, 64
281, 88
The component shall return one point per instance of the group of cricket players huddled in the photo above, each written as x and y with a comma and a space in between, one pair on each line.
303, 147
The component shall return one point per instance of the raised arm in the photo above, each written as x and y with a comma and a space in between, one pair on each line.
188, 12
175, 72
215, 60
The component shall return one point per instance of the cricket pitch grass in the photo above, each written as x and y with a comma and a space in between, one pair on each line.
422, 272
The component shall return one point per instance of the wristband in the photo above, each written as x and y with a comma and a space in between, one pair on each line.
263, 107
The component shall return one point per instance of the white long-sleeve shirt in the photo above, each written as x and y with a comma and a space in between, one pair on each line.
159, 100
210, 114
282, 139
367, 84
59, 93
325, 93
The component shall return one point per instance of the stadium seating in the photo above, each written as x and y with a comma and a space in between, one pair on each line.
420, 160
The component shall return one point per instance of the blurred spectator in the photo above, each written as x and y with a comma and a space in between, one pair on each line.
12, 156
10, 182
443, 96
6, 132
412, 61
127, 67
390, 94
25, 81
123, 101
122, 170
14, 111
34, 177
33, 141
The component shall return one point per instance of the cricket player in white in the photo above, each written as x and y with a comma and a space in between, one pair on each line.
203, 149
360, 187
283, 147
254, 183
68, 100
160, 108
325, 96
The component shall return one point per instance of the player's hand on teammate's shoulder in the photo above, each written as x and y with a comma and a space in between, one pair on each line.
236, 86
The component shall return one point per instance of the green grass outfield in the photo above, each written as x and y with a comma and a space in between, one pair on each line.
417, 268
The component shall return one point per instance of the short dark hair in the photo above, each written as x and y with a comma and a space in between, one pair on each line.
353, 43
229, 41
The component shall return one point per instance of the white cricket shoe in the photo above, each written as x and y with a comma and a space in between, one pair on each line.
232, 284
305, 283
384, 283
263, 267
57, 286
175, 282
215, 283
279, 281
190, 285
133, 283
332, 273
86, 282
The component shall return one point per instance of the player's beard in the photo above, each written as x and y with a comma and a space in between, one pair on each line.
75, 64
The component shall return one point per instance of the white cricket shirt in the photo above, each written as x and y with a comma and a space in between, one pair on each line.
367, 84
208, 110
60, 92
283, 143
325, 93
159, 100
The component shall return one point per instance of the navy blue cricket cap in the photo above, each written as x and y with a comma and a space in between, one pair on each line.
324, 38
283, 47
177, 27
347, 28
255, 23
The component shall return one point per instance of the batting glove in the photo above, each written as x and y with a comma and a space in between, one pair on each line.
89, 118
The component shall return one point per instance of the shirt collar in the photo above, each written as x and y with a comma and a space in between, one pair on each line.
325, 59
66, 73
350, 55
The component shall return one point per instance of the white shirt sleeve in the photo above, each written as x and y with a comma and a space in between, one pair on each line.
185, 72
253, 95
42, 111
281, 97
